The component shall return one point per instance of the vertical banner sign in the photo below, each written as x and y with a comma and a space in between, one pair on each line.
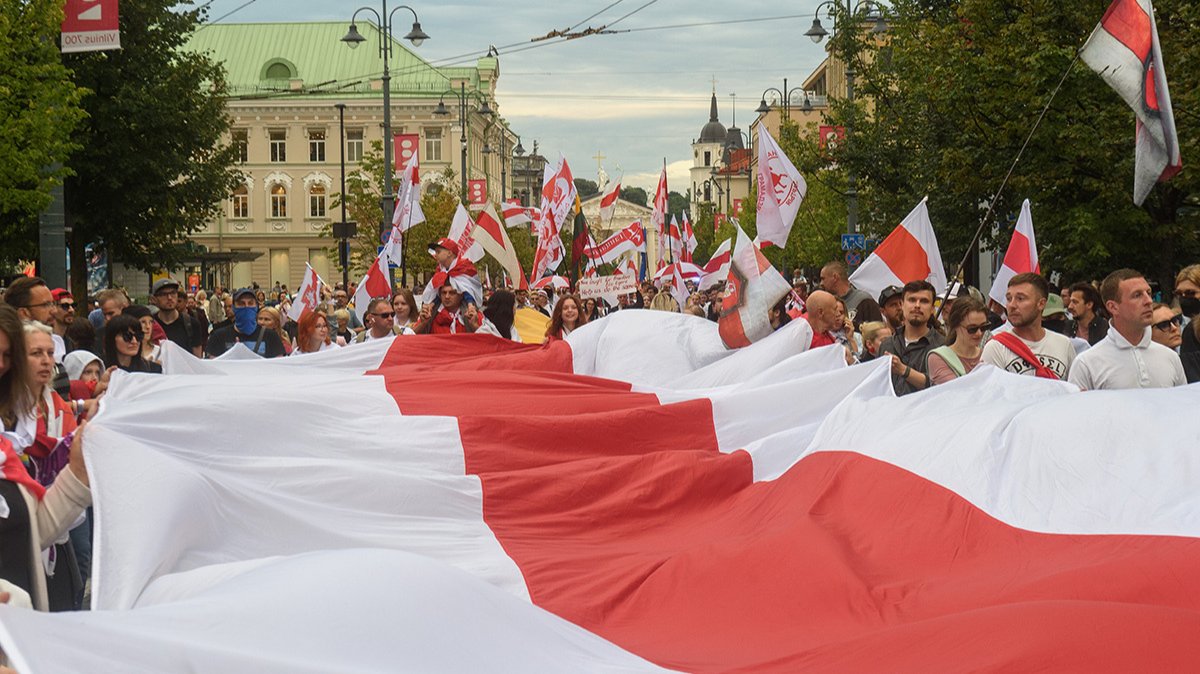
90, 25
830, 137
737, 207
476, 192
404, 146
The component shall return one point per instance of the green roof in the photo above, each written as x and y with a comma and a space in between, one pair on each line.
314, 53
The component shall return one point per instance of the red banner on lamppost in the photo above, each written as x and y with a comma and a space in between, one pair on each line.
90, 25
476, 192
404, 147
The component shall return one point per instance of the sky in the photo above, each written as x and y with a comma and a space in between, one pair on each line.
638, 98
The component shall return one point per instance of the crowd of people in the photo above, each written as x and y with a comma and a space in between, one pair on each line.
59, 356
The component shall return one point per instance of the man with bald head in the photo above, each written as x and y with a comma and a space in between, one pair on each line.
823, 316
909, 348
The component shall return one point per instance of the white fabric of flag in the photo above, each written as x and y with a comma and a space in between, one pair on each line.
781, 189
308, 295
909, 253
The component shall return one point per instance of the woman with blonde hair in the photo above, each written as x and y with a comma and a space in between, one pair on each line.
270, 319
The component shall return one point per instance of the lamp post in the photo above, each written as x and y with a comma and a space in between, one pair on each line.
353, 38
344, 231
785, 99
817, 33
463, 96
518, 153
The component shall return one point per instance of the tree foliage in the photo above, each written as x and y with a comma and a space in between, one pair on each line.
586, 188
39, 109
635, 195
151, 167
949, 96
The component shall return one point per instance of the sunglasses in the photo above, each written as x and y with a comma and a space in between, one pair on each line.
1176, 320
387, 315
66, 306
129, 336
974, 329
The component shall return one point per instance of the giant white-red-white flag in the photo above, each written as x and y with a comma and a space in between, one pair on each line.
781, 188
751, 289
1125, 50
761, 510
374, 284
1020, 258
717, 267
308, 295
490, 234
608, 203
462, 232
909, 253
629, 239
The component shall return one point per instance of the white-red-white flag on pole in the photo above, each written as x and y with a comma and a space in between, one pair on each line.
374, 284
1124, 49
909, 253
558, 196
658, 216
627, 240
407, 213
781, 188
490, 234
462, 232
675, 239
516, 215
628, 266
678, 288
717, 267
308, 296
689, 239
608, 203
1021, 256
752, 288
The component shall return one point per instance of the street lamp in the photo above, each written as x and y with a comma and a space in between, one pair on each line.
353, 39
785, 99
463, 96
817, 33
344, 231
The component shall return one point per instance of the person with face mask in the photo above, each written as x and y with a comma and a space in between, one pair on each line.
1187, 293
245, 329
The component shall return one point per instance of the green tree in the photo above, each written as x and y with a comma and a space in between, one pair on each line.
635, 195
948, 98
586, 188
39, 109
677, 203
150, 167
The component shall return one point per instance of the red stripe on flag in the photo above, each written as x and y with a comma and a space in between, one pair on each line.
625, 519
904, 255
1017, 257
1126, 21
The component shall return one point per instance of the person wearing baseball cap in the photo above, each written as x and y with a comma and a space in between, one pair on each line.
245, 329
452, 296
178, 326
445, 251
62, 315
891, 305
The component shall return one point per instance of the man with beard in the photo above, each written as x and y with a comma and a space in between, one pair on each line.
909, 348
1084, 303
1029, 349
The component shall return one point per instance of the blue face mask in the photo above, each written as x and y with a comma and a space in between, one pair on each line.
245, 319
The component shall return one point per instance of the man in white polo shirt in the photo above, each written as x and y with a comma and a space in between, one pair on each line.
1127, 357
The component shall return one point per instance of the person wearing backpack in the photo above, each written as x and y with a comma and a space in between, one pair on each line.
965, 327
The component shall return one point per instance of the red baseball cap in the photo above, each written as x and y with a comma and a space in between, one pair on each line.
448, 244
59, 293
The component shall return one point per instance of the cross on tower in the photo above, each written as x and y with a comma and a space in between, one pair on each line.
599, 159
714, 81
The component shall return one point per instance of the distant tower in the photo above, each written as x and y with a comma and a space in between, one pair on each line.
707, 154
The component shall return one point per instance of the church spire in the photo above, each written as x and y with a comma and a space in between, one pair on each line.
712, 115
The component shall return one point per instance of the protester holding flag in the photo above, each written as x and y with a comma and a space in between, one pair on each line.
451, 315
568, 315
966, 324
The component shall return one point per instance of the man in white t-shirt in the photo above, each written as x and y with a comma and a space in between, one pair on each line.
1127, 357
1029, 348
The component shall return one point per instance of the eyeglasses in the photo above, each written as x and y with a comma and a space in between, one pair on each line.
66, 306
42, 305
129, 336
1176, 320
387, 315
974, 329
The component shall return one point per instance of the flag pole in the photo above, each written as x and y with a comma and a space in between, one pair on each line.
996, 196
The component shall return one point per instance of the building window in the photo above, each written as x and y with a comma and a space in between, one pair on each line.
433, 144
278, 201
316, 146
354, 145
241, 144
278, 145
707, 158
241, 202
278, 71
316, 201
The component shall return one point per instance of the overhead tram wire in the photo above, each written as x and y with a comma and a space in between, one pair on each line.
613, 23
226, 15
610, 6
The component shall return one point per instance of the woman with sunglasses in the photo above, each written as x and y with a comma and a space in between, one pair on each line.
965, 327
1165, 326
123, 337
